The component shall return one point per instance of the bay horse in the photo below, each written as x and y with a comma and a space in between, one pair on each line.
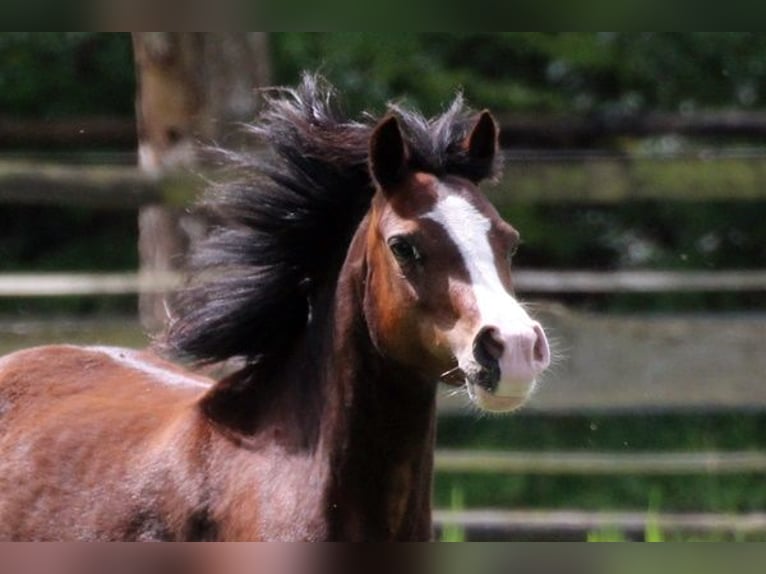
346, 274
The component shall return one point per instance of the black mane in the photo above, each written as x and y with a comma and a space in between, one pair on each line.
281, 230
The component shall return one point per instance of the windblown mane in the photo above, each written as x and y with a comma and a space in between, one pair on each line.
282, 229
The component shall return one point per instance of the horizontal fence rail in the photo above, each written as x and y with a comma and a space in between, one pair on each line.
557, 524
540, 282
114, 187
612, 180
84, 284
559, 282
87, 131
562, 130
595, 463
531, 178
547, 130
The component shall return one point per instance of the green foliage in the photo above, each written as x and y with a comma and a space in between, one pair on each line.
702, 236
505, 71
65, 73
608, 72
67, 238
55, 73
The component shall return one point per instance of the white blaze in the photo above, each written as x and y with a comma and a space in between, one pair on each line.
469, 231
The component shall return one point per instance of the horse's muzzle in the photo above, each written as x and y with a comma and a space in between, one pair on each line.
488, 377
487, 351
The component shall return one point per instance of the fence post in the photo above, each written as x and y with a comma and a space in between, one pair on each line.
192, 87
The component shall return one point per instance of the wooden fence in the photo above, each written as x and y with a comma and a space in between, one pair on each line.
606, 363
542, 177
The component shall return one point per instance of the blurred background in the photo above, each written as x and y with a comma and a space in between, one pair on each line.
635, 172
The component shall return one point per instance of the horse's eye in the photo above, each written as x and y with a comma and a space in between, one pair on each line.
404, 251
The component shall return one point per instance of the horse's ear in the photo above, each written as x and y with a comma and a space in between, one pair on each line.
388, 153
482, 142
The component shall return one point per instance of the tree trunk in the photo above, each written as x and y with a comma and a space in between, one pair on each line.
193, 88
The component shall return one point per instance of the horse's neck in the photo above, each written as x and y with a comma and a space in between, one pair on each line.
363, 428
378, 430
381, 456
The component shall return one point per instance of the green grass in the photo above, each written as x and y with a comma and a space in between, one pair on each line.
455, 532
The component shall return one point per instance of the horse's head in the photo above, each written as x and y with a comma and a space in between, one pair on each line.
438, 294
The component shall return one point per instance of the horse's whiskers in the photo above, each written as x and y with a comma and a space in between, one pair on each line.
454, 377
457, 392
450, 372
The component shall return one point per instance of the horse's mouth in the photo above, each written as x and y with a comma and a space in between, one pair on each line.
486, 378
454, 377
484, 388
491, 402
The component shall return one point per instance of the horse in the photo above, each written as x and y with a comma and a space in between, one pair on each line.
348, 270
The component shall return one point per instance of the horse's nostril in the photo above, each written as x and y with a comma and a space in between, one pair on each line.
488, 348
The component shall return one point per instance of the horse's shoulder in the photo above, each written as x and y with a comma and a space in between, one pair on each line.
149, 367
59, 370
31, 373
20, 367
